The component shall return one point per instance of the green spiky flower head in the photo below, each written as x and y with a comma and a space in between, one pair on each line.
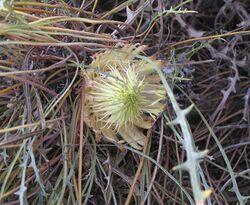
122, 93
117, 96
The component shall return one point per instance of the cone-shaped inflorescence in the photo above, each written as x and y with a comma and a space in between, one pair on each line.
123, 94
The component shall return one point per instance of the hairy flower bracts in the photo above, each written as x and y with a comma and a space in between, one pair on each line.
123, 95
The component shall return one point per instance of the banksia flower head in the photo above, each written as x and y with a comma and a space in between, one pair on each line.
123, 95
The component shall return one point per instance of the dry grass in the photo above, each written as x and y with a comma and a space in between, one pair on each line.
49, 156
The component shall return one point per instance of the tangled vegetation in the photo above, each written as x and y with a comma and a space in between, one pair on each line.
124, 102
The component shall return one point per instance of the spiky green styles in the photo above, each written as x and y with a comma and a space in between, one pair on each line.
117, 96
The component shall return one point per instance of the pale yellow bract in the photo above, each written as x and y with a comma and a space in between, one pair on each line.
123, 95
